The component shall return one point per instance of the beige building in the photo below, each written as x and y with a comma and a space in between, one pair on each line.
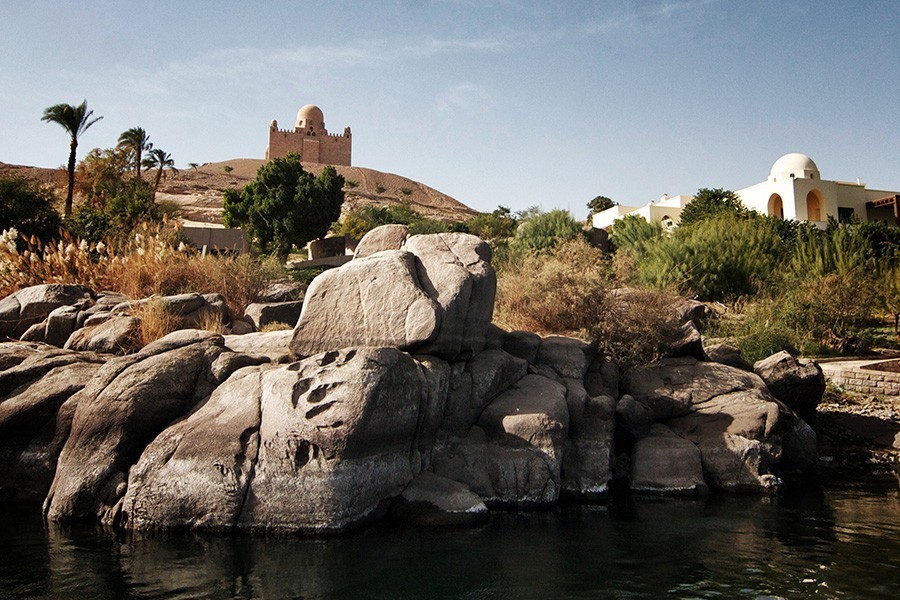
310, 140
794, 190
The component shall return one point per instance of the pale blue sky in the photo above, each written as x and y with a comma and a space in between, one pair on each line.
507, 102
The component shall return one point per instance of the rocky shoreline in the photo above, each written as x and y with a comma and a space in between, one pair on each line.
393, 393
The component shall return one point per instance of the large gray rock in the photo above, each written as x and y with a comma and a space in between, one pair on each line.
567, 356
273, 344
195, 474
727, 355
266, 313
522, 344
533, 410
385, 237
436, 374
373, 301
336, 435
32, 393
587, 463
123, 408
116, 335
430, 499
32, 305
475, 384
455, 270
746, 437
664, 463
799, 384
514, 475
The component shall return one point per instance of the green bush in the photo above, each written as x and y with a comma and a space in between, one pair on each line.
28, 207
133, 204
633, 233
495, 225
723, 258
360, 221
544, 230
90, 223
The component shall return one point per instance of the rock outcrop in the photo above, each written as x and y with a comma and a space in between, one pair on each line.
393, 392
739, 427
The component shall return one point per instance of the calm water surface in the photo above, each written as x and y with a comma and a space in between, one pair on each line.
837, 542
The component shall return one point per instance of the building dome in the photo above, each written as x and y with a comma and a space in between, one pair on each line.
796, 165
310, 116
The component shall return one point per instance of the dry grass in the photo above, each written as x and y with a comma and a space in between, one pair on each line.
637, 327
276, 326
156, 320
563, 291
151, 262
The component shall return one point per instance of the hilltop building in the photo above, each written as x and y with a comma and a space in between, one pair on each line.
794, 190
310, 140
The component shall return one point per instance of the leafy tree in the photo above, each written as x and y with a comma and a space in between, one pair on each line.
132, 205
286, 206
599, 204
161, 161
75, 120
709, 202
28, 207
136, 141
90, 223
543, 230
101, 173
498, 224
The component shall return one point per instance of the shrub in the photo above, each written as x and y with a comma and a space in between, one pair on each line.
709, 203
90, 223
494, 225
228, 168
724, 258
544, 230
563, 291
379, 189
361, 220
28, 207
633, 233
406, 191
636, 327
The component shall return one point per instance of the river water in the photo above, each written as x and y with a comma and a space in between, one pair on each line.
841, 541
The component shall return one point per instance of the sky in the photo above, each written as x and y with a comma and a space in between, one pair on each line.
495, 102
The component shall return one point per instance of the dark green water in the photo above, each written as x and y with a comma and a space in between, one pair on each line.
838, 542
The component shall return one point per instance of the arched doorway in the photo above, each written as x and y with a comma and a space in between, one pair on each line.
814, 206
776, 206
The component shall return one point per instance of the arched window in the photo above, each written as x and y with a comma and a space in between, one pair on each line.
814, 206
776, 206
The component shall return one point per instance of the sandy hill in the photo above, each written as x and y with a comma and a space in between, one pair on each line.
199, 191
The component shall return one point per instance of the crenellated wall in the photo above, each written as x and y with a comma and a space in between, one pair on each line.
313, 146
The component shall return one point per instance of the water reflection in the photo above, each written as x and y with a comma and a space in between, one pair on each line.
807, 543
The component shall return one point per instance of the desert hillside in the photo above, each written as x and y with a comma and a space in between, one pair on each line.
199, 190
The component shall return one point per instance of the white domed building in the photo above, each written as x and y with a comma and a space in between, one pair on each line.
794, 190
310, 139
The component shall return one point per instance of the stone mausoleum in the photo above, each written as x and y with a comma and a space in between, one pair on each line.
794, 190
310, 140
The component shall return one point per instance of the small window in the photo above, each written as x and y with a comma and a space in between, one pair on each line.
846, 215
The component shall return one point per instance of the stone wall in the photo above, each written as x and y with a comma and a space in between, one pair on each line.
856, 379
325, 149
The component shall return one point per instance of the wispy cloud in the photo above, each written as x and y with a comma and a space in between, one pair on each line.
648, 12
463, 97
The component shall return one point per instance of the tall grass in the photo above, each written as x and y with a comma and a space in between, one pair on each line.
152, 261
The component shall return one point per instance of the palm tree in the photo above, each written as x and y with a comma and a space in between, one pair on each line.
75, 120
136, 140
160, 160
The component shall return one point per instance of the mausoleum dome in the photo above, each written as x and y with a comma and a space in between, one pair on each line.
799, 165
310, 115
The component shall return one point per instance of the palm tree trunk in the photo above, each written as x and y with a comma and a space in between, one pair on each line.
137, 162
159, 173
71, 169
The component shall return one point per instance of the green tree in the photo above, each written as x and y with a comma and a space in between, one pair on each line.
161, 161
599, 204
28, 207
136, 141
132, 205
75, 120
709, 202
101, 173
286, 206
